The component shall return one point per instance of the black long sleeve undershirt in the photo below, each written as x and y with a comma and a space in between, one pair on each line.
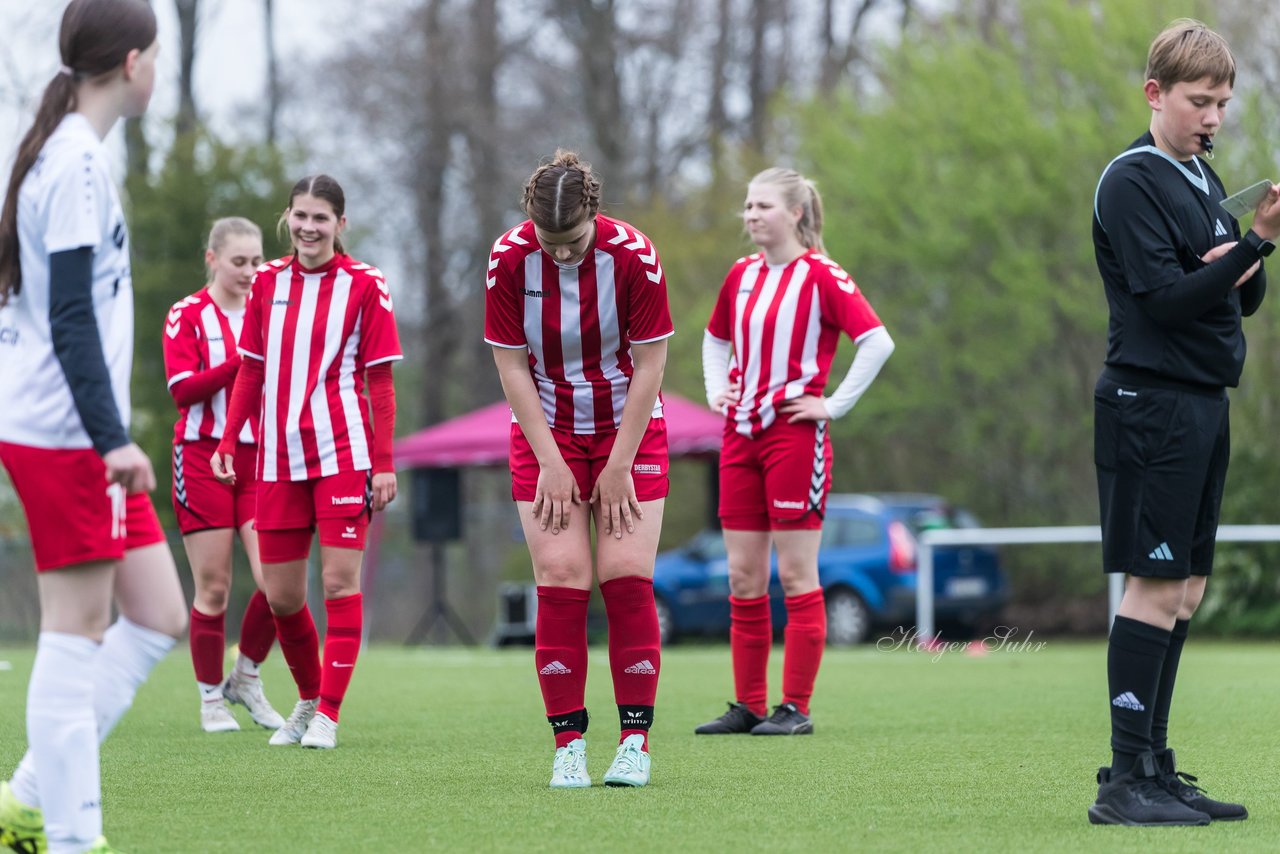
1186, 300
78, 347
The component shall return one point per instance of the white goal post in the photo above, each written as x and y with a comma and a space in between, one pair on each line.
929, 540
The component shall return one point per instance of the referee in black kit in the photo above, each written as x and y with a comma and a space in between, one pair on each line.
1178, 278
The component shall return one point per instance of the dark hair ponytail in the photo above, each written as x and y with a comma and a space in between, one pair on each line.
95, 38
562, 193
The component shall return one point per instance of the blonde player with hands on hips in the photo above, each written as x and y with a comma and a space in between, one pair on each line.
318, 327
576, 311
66, 328
201, 362
766, 355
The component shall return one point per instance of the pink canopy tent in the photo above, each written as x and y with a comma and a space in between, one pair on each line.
480, 437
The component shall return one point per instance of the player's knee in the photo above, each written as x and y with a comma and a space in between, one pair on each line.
212, 598
286, 602
563, 574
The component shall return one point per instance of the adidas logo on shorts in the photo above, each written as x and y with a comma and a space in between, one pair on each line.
1128, 701
643, 667
555, 668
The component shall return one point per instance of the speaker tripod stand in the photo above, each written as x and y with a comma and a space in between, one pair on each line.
439, 609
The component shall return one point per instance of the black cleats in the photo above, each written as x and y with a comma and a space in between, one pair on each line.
785, 720
1183, 787
1139, 798
739, 719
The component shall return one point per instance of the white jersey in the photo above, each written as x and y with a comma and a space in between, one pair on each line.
66, 201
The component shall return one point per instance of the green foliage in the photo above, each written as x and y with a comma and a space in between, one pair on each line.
169, 215
960, 200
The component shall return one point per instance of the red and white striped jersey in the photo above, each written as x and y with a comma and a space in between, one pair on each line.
316, 332
580, 321
198, 335
784, 324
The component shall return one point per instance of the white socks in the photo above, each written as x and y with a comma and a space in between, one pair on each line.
247, 666
123, 662
64, 741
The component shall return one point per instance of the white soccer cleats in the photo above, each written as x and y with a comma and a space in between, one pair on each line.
295, 727
631, 764
569, 771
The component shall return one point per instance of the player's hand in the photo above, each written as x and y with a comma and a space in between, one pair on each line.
556, 492
1222, 249
615, 492
728, 398
128, 466
806, 407
384, 490
1266, 218
224, 467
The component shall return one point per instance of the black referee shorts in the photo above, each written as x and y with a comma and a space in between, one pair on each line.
1161, 456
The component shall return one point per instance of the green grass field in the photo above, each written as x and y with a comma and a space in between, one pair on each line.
448, 750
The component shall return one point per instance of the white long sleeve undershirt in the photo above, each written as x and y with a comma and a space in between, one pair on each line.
873, 351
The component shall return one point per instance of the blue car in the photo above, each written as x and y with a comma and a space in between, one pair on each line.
866, 564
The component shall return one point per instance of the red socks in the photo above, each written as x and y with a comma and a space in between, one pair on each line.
257, 629
635, 655
341, 647
560, 655
301, 648
806, 634
750, 637
208, 640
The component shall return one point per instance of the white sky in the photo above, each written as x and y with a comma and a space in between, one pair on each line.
230, 73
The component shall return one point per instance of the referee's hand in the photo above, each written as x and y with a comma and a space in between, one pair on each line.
1222, 249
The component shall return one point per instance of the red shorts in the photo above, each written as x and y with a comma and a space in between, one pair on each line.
338, 506
73, 514
199, 500
777, 481
586, 454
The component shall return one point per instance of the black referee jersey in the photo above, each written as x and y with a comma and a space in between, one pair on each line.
1173, 317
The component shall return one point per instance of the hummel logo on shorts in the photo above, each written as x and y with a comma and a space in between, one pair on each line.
555, 668
645, 667
1161, 552
1128, 701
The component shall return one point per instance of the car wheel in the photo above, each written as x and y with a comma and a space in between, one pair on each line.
666, 628
848, 620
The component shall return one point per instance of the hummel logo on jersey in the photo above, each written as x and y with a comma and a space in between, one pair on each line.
555, 668
281, 302
643, 667
1128, 701
347, 499
1218, 230
1122, 392
1161, 552
538, 294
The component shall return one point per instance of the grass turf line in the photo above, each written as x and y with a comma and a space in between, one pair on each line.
449, 749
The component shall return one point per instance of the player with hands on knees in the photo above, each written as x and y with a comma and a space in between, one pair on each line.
576, 311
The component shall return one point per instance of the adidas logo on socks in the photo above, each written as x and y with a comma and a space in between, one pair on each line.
555, 668
645, 667
1128, 701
